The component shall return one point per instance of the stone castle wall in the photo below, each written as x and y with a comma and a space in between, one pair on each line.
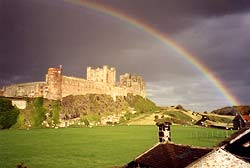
99, 81
33, 89
78, 86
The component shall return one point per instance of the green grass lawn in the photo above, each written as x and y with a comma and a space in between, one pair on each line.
91, 147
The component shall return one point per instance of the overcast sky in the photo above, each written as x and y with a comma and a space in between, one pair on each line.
37, 34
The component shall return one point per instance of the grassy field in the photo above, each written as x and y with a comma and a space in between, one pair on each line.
91, 147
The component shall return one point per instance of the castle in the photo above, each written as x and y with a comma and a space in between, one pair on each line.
101, 80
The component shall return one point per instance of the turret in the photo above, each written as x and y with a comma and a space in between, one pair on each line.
112, 79
54, 83
88, 73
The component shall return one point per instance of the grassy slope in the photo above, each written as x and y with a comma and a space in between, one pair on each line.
178, 114
220, 120
183, 117
147, 119
141, 105
91, 147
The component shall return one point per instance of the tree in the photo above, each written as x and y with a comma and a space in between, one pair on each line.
38, 112
8, 114
56, 108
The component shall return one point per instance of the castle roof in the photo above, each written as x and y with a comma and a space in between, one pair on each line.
246, 118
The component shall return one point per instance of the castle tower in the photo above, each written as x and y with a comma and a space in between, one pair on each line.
89, 71
112, 78
104, 74
133, 83
54, 83
125, 80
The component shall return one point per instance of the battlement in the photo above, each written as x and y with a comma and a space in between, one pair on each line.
54, 69
25, 84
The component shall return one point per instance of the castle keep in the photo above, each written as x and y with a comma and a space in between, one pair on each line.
101, 80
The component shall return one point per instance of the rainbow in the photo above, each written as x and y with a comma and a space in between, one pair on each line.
218, 84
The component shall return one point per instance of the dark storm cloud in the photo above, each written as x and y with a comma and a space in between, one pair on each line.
221, 43
172, 16
39, 34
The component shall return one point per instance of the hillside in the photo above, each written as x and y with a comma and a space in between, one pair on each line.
232, 110
92, 104
97, 109
90, 109
178, 115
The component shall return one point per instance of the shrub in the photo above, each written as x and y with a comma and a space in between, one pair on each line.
86, 122
38, 112
56, 108
21, 165
128, 115
20, 121
8, 114
122, 120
